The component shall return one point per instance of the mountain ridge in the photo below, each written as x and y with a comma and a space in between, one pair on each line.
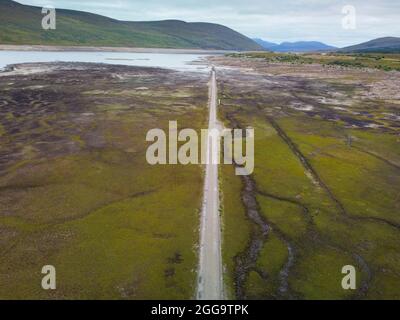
379, 45
298, 46
21, 24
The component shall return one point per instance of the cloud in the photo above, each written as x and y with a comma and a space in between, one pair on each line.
284, 20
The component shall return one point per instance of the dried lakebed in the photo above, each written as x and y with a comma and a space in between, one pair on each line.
325, 190
76, 191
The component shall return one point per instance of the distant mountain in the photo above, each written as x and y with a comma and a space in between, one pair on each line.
21, 24
304, 46
382, 45
266, 44
300, 46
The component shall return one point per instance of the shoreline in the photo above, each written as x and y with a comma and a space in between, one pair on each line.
6, 47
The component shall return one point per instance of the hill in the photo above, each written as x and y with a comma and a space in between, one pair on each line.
380, 45
21, 24
304, 46
300, 46
266, 44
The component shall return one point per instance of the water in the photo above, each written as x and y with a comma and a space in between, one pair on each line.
181, 62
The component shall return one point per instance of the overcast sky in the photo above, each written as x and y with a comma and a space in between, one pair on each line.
276, 21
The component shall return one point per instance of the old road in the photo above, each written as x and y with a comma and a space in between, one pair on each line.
210, 283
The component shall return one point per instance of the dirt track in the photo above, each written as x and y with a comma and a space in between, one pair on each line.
210, 285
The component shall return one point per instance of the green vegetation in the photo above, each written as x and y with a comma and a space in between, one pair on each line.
386, 62
382, 45
328, 188
84, 198
236, 227
20, 24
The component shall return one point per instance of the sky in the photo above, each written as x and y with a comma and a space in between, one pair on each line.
271, 20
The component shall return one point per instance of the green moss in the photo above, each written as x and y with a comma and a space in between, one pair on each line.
320, 275
288, 216
236, 226
256, 287
2, 130
304, 205
114, 226
271, 260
